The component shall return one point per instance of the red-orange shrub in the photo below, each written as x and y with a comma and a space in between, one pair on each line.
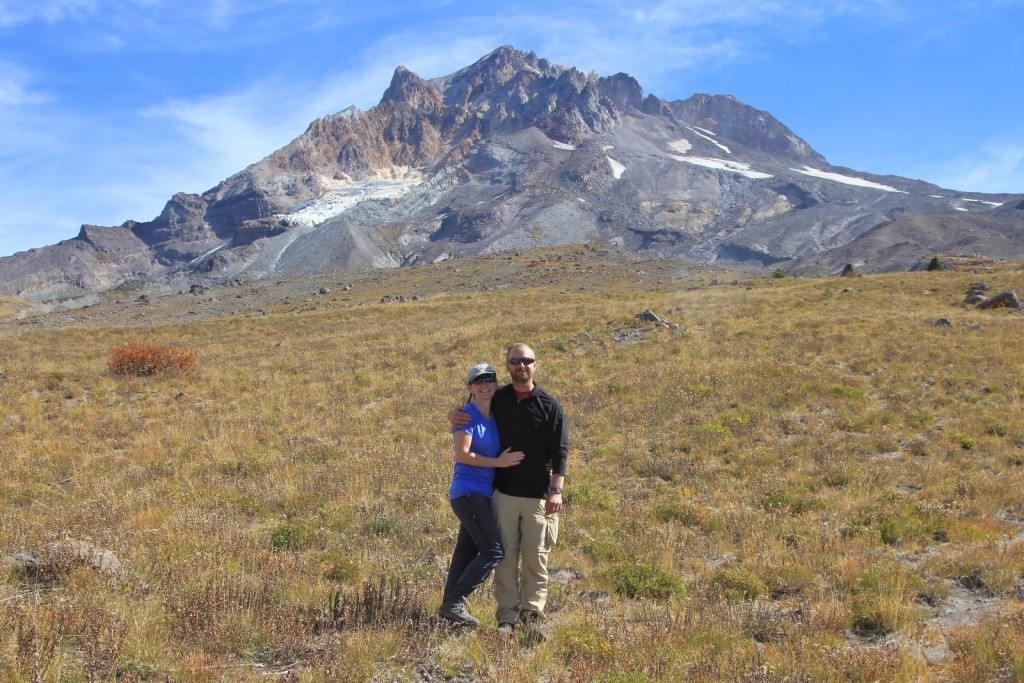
132, 358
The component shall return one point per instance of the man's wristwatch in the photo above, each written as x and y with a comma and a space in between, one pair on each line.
556, 489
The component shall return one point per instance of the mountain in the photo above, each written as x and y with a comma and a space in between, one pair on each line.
514, 151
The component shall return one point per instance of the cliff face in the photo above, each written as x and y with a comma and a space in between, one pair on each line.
515, 151
729, 118
96, 260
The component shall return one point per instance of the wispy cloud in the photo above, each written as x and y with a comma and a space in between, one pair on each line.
15, 12
997, 167
16, 89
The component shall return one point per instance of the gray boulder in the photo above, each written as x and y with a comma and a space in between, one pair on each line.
59, 558
1007, 299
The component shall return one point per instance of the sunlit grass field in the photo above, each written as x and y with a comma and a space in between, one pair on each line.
807, 480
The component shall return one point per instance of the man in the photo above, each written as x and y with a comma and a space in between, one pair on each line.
528, 496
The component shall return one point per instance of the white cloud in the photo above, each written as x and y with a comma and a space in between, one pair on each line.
15, 12
16, 89
679, 13
229, 131
998, 167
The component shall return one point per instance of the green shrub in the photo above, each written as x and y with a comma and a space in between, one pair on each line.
881, 599
591, 497
966, 441
382, 526
736, 584
644, 581
290, 536
582, 641
848, 393
606, 551
685, 513
784, 499
716, 428
340, 568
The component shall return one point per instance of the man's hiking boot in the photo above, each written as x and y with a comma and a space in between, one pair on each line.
531, 620
457, 613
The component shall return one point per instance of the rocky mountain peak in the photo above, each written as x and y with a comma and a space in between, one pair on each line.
408, 88
728, 117
504, 75
623, 90
514, 151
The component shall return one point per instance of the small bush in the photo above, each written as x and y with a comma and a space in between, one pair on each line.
133, 358
784, 499
590, 497
585, 642
290, 536
881, 600
936, 264
736, 584
340, 568
382, 527
685, 513
644, 581
606, 551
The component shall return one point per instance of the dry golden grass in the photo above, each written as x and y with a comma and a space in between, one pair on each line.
9, 306
795, 484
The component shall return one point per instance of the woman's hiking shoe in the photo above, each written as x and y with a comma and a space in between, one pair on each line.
457, 613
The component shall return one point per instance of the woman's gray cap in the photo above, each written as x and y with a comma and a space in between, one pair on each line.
481, 369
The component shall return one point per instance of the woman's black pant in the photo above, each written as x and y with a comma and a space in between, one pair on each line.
478, 549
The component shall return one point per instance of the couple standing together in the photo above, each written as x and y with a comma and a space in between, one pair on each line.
511, 445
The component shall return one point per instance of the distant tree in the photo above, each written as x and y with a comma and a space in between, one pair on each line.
936, 263
780, 272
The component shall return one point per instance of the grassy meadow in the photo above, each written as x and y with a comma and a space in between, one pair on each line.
808, 480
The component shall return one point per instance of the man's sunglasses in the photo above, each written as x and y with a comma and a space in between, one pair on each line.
484, 379
521, 361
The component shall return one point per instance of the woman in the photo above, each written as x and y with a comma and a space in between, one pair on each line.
478, 549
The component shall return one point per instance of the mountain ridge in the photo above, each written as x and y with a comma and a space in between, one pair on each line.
514, 151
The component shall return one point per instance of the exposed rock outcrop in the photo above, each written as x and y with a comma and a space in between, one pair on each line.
58, 558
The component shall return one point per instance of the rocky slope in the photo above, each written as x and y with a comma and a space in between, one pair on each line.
513, 152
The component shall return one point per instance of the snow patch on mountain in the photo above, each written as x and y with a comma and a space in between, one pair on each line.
617, 168
212, 251
709, 136
845, 179
340, 200
562, 145
682, 146
737, 167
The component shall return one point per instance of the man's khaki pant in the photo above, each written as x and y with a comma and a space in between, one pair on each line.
528, 536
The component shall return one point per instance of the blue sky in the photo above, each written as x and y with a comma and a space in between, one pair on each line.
109, 107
